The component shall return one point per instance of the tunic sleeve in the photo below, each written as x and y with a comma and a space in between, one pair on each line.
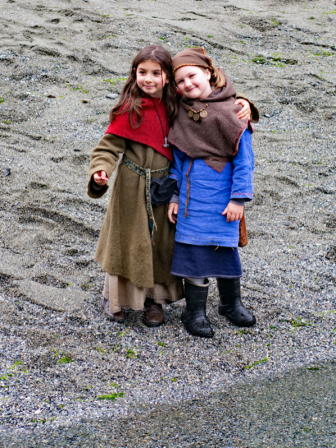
176, 168
243, 167
104, 158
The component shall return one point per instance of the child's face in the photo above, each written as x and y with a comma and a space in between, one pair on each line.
150, 78
193, 82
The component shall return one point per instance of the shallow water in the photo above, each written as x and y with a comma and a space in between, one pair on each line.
296, 409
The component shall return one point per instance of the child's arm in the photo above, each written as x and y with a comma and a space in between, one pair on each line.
176, 173
244, 113
176, 168
249, 109
103, 162
242, 178
100, 178
173, 209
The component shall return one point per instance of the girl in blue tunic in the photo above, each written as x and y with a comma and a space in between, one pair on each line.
213, 166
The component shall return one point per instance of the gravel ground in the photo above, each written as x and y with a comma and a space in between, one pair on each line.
293, 410
61, 360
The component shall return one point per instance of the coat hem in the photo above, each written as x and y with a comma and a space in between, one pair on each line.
122, 274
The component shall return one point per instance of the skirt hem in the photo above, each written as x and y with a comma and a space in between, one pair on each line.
206, 276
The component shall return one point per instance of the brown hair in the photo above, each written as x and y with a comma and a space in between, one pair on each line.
217, 77
130, 98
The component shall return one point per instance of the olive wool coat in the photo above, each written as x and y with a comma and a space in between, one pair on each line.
125, 248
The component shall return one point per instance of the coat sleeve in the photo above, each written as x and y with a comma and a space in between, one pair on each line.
104, 158
243, 167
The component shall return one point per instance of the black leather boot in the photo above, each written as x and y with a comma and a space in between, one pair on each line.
194, 315
230, 304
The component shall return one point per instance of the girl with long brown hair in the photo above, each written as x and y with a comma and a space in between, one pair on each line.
136, 243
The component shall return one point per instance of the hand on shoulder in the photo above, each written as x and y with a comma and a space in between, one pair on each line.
245, 112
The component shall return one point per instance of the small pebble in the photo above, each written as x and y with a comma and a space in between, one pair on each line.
112, 96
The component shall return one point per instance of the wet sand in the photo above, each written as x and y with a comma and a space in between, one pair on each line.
294, 410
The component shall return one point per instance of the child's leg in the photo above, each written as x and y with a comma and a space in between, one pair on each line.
197, 281
194, 315
230, 304
110, 299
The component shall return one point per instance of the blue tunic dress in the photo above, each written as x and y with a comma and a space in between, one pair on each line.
201, 223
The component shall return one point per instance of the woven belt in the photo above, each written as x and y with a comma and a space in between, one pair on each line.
146, 173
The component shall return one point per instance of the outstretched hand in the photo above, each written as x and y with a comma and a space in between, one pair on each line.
245, 112
100, 177
233, 212
172, 212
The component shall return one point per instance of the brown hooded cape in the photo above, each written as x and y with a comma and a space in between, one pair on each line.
218, 134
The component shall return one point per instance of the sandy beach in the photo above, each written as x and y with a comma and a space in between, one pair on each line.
58, 62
